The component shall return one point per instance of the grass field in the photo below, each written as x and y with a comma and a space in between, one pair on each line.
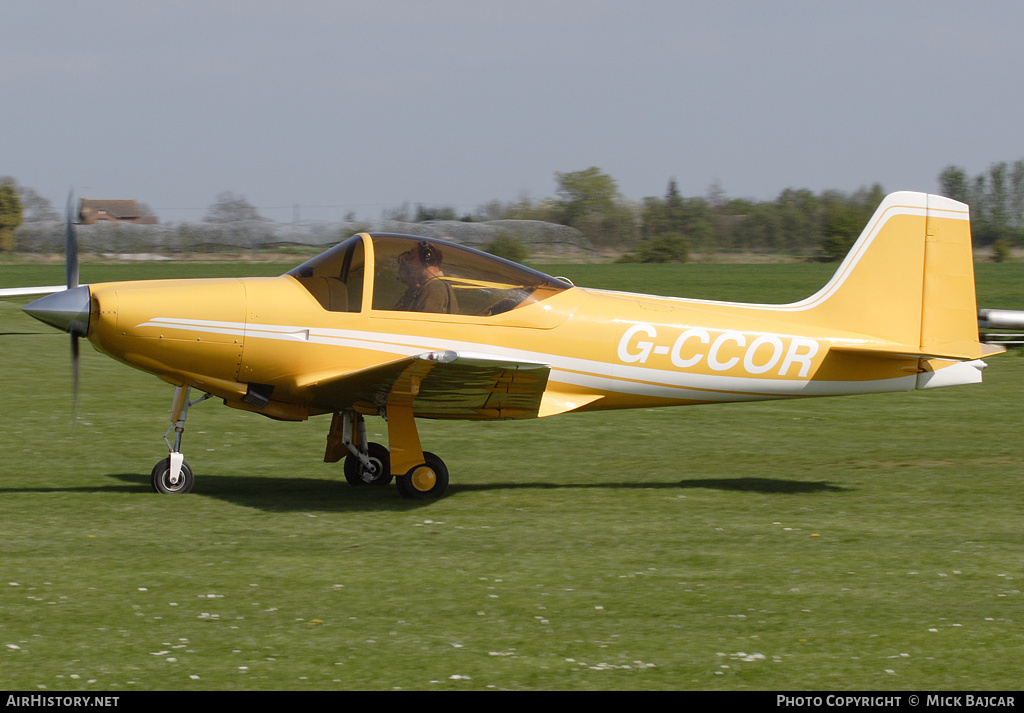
842, 544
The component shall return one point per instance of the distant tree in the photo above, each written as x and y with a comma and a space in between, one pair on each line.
979, 210
672, 197
37, 208
10, 216
996, 200
756, 226
844, 218
665, 215
666, 247
508, 246
839, 226
692, 219
953, 184
590, 201
400, 214
230, 208
799, 220
523, 209
1000, 251
34, 206
585, 192
425, 213
1016, 207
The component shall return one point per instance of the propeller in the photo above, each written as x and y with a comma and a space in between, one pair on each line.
67, 310
71, 275
70, 244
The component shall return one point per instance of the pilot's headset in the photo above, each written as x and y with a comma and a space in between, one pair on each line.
428, 255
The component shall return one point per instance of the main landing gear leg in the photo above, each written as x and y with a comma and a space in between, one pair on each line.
425, 475
173, 474
365, 463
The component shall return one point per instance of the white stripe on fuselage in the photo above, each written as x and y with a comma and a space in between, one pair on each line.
587, 373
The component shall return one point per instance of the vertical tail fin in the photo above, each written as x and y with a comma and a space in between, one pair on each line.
908, 279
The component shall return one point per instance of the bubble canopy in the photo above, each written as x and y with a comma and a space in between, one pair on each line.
396, 266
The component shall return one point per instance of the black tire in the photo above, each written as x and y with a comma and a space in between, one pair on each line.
426, 481
381, 459
160, 478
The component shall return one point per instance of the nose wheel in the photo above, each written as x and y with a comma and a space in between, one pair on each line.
173, 475
165, 481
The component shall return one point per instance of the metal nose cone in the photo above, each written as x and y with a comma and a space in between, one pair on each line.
67, 310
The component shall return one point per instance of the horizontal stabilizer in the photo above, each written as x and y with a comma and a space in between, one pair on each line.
955, 365
965, 351
1001, 319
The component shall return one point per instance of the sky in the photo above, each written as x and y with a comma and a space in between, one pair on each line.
320, 108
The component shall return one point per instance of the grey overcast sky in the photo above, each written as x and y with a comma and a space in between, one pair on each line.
352, 105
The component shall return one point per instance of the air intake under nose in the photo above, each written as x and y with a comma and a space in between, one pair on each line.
67, 310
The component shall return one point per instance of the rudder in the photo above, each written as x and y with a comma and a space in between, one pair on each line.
949, 319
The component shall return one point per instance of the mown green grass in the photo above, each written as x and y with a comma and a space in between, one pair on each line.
857, 543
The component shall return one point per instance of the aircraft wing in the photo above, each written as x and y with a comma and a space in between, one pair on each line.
446, 384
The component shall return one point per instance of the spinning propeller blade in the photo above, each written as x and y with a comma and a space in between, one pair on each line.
74, 377
71, 273
70, 245
67, 310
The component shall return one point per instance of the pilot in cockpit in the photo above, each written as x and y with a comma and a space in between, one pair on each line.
427, 290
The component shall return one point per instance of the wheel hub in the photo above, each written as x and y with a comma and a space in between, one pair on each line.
372, 470
423, 478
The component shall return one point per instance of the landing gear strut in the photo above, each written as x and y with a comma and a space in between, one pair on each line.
365, 463
376, 472
173, 475
418, 475
426, 475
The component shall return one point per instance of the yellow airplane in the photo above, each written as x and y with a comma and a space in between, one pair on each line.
406, 327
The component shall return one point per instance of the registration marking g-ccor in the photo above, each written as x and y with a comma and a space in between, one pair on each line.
696, 347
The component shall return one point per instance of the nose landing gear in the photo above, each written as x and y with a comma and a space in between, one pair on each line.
173, 475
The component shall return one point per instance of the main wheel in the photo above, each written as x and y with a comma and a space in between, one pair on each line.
378, 474
160, 478
426, 481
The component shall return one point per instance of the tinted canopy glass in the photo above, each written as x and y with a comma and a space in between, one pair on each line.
425, 275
